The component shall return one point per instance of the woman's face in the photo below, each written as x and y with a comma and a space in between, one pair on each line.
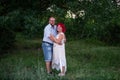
59, 29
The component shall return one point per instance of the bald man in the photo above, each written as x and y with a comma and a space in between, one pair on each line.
47, 43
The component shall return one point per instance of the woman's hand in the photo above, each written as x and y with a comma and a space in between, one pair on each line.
52, 37
58, 41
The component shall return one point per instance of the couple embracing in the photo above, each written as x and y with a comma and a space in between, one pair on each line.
53, 45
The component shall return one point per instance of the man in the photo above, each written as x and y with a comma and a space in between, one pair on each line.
47, 43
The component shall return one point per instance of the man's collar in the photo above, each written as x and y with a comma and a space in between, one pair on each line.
52, 25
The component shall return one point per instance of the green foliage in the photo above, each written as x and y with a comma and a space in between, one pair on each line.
112, 34
34, 24
15, 20
33, 27
36, 5
94, 24
26, 22
100, 20
7, 35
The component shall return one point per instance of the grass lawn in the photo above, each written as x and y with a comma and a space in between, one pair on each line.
86, 60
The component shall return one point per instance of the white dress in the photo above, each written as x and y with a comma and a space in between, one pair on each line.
59, 58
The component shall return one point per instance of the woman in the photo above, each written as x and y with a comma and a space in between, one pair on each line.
59, 59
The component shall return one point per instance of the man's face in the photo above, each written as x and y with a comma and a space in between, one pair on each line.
52, 21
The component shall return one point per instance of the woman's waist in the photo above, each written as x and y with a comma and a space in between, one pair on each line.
59, 45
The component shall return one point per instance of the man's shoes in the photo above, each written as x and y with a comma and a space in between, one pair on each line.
50, 73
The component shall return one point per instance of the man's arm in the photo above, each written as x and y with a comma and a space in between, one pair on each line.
58, 41
47, 33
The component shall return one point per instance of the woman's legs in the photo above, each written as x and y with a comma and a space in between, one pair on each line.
62, 72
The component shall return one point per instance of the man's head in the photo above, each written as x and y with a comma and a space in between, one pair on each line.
52, 20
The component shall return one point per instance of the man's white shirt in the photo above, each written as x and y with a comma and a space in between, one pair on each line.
49, 30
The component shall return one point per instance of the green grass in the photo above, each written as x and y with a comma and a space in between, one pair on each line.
86, 60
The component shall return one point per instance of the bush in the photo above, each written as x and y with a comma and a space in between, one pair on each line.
7, 35
112, 35
26, 22
33, 27
15, 20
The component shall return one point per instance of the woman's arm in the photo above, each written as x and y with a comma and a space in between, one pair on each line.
64, 38
58, 41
